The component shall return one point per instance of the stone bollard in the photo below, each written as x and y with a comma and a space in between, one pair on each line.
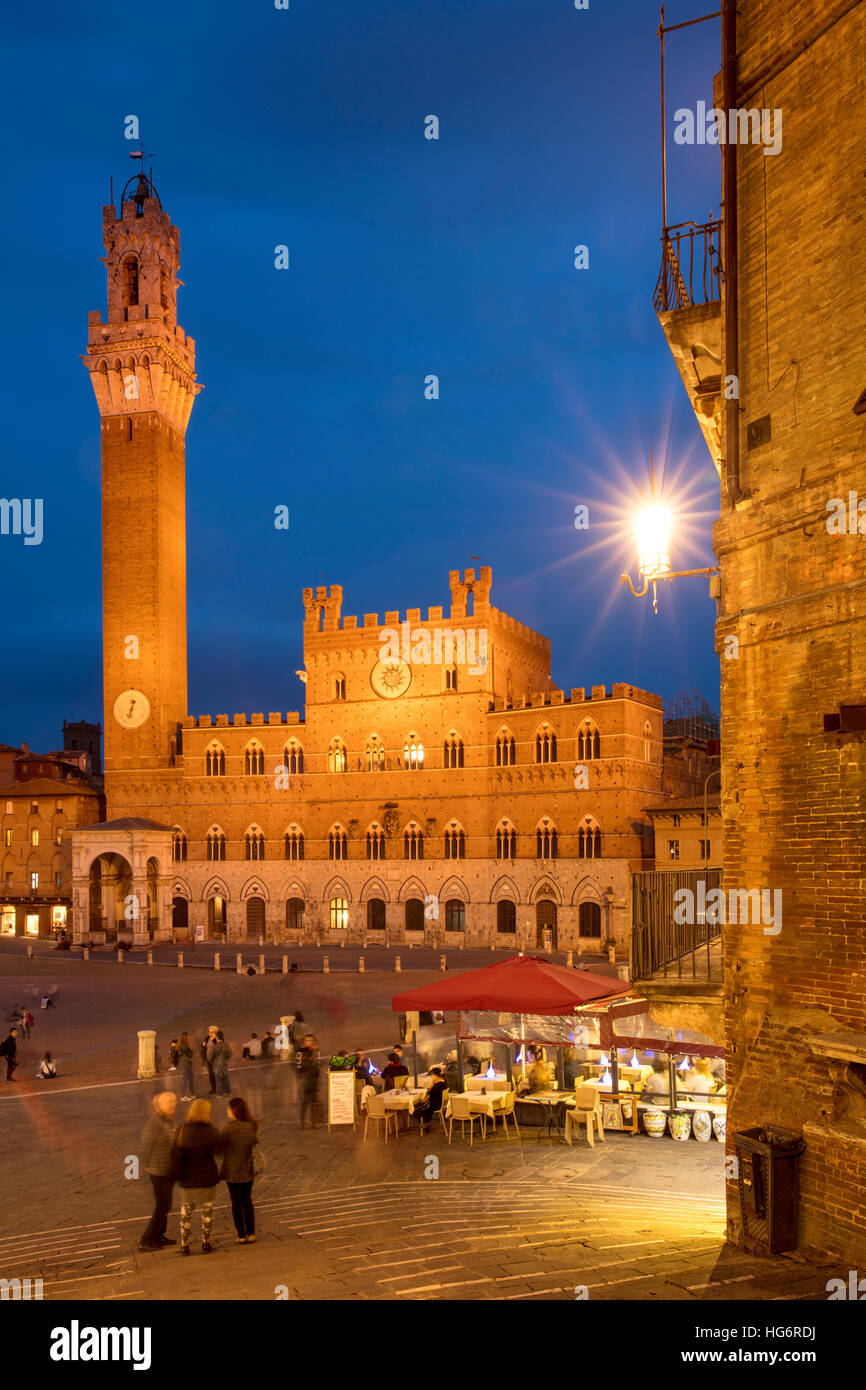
29, 952
569, 959
238, 964
397, 966
326, 966
342, 943
462, 942
442, 965
262, 964
285, 965
216, 960
120, 957
150, 957
360, 965
180, 960
146, 1054
286, 1049
261, 941
86, 953
611, 955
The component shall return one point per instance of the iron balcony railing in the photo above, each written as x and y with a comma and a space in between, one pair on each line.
659, 942
691, 270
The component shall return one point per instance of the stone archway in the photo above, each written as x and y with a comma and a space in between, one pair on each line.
111, 908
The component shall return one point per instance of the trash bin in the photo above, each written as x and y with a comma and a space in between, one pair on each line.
767, 1167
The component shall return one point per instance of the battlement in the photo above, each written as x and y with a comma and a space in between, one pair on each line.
221, 721
322, 608
542, 699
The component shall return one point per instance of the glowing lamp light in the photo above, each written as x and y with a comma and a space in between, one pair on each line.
604, 1060
634, 1061
653, 533
684, 1064
519, 1058
490, 1073
607, 1079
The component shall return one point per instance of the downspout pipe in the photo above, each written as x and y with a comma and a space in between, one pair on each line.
729, 186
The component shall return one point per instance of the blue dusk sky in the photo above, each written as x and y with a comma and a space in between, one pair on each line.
408, 257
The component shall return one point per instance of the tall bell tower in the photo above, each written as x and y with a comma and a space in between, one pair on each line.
142, 366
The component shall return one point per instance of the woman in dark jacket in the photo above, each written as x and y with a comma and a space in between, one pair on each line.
184, 1062
237, 1140
197, 1142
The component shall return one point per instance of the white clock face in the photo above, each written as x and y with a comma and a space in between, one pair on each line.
131, 709
390, 678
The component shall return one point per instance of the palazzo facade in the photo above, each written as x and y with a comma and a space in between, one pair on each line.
439, 788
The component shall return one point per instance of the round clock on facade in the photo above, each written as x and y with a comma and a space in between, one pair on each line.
390, 678
131, 709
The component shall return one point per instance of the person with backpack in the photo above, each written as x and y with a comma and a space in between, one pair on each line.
9, 1050
239, 1140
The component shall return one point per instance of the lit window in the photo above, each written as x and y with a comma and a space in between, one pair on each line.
413, 753
337, 756
34, 880
339, 914
58, 838
9, 834
34, 839
673, 849
7, 918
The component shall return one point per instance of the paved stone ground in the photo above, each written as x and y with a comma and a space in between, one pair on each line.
339, 1218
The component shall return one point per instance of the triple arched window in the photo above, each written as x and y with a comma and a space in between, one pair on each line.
588, 745
506, 751
545, 747
216, 844
254, 843
375, 754
455, 844
453, 751
413, 753
506, 841
337, 756
589, 842
178, 846
413, 843
215, 761
254, 760
375, 842
293, 757
294, 843
338, 844
546, 842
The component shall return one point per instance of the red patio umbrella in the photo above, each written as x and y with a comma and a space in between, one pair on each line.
519, 985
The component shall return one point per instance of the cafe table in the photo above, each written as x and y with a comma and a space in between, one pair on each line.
499, 1082
556, 1101
486, 1105
404, 1099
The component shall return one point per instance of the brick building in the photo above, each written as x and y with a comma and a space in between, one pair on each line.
440, 786
791, 634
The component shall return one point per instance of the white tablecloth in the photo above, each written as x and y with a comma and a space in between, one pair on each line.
485, 1105
496, 1083
404, 1099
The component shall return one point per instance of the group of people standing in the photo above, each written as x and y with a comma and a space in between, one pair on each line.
215, 1053
187, 1155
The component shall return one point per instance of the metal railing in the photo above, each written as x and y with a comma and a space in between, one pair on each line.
691, 271
658, 941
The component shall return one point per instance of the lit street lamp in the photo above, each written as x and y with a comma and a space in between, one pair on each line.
653, 534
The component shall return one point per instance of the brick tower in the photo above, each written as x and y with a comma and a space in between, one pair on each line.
142, 366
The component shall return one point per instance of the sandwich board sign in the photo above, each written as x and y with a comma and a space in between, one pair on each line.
341, 1098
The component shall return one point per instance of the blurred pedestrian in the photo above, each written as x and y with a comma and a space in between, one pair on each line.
172, 1055
9, 1050
197, 1142
26, 1023
47, 1001
184, 1061
157, 1157
298, 1030
308, 1074
268, 1042
239, 1138
207, 1048
252, 1047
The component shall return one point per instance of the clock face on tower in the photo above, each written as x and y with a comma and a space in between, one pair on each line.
131, 709
390, 679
